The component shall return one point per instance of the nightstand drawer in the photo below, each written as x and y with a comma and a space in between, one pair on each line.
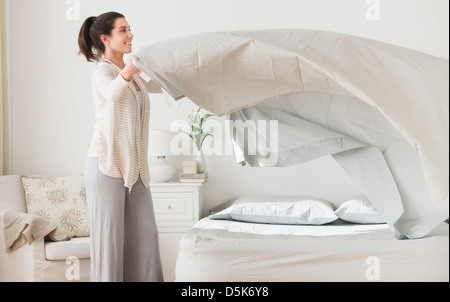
177, 206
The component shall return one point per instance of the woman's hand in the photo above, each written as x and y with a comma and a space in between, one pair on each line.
129, 70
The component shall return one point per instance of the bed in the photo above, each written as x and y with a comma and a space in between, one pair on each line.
233, 251
380, 110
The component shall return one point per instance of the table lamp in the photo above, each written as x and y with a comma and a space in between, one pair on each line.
159, 146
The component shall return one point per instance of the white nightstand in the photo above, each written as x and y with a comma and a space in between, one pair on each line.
178, 206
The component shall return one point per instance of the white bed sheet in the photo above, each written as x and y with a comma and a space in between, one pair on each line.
231, 251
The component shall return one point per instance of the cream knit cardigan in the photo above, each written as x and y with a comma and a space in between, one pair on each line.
121, 129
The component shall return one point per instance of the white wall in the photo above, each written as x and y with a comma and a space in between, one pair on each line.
51, 98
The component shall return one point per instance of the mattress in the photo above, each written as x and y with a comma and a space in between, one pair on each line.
232, 251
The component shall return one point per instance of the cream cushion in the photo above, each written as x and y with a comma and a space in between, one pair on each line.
61, 250
60, 200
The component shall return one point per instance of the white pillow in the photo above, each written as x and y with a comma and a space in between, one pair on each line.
301, 211
359, 210
60, 200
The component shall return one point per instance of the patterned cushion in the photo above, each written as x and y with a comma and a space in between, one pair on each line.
60, 200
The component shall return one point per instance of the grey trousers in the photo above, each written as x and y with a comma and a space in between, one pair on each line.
124, 236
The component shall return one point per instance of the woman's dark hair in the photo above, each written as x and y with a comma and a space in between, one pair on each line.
89, 38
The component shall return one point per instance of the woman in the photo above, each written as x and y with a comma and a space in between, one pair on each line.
124, 236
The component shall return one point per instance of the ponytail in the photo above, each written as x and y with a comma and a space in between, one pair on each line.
89, 38
84, 40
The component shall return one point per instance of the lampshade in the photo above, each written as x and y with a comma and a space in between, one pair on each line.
159, 142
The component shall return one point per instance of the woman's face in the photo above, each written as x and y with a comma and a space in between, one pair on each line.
120, 38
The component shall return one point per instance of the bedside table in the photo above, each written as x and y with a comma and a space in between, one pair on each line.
178, 206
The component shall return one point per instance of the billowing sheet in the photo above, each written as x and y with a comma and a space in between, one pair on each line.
379, 109
384, 165
231, 251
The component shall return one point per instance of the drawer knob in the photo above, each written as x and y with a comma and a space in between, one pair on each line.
169, 207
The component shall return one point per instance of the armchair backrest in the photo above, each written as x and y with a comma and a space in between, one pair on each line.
12, 195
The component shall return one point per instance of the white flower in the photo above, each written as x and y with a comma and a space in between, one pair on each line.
197, 132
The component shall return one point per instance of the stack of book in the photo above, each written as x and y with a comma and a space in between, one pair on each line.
194, 177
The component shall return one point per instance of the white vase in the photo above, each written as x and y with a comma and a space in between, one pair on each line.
201, 163
162, 170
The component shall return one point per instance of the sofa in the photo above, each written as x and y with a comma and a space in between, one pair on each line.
40, 259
